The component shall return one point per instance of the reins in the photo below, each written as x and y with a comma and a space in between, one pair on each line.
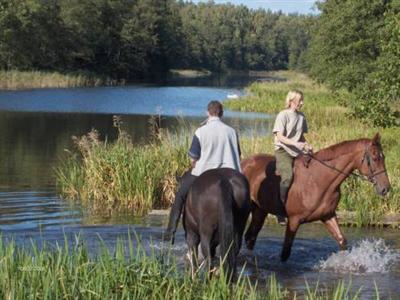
369, 178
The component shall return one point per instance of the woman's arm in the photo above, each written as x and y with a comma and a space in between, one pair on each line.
302, 146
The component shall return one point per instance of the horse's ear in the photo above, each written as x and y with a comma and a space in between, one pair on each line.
376, 140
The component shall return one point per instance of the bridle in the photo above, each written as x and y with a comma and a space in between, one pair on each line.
372, 173
366, 157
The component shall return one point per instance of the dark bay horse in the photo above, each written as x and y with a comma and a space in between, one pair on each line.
216, 211
315, 191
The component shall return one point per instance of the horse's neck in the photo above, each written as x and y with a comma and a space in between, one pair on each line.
336, 170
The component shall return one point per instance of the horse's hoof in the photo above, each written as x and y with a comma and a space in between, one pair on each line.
343, 246
285, 255
250, 245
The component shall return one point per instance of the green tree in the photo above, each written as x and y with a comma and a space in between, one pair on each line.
379, 97
31, 35
345, 43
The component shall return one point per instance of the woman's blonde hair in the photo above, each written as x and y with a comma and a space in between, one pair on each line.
293, 94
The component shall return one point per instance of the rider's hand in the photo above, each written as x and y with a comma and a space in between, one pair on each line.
307, 147
300, 145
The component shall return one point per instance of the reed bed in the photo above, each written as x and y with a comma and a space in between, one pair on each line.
330, 122
15, 80
120, 176
71, 272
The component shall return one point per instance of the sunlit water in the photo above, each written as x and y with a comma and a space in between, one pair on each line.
367, 256
36, 128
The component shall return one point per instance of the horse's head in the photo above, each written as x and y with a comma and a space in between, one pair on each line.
373, 166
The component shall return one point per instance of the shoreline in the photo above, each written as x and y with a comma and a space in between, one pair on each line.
346, 218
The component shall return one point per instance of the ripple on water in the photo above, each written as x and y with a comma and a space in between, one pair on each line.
367, 256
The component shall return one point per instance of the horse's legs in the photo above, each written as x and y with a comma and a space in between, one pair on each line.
239, 229
333, 227
257, 222
206, 250
291, 229
192, 240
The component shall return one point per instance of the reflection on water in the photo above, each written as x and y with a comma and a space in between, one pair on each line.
35, 210
32, 144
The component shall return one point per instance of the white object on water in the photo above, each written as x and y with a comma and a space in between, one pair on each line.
367, 256
233, 96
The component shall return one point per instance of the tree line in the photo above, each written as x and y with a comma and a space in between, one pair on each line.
351, 44
355, 45
142, 38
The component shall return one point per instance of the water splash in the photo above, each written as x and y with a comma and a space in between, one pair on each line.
367, 256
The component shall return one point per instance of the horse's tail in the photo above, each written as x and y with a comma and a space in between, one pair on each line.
226, 229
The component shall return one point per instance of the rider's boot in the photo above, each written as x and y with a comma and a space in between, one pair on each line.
174, 216
283, 191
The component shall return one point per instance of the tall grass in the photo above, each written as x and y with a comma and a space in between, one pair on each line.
119, 176
121, 273
14, 80
329, 123
71, 272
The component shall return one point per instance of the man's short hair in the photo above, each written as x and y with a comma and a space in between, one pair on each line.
215, 108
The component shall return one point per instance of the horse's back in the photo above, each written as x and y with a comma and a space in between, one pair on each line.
215, 181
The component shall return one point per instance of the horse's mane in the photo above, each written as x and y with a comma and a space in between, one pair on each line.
339, 149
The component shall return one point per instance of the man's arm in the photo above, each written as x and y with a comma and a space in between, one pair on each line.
194, 151
238, 145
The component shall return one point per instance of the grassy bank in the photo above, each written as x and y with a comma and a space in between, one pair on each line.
329, 123
15, 80
127, 273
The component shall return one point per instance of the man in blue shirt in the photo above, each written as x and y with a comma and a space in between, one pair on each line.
214, 145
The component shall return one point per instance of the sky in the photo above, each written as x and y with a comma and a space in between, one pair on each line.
286, 6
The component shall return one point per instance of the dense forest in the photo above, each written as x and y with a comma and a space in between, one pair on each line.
355, 45
351, 44
141, 38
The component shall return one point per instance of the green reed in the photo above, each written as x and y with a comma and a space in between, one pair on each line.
120, 176
329, 123
69, 271
122, 273
14, 80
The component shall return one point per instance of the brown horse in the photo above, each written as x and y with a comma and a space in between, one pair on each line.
315, 191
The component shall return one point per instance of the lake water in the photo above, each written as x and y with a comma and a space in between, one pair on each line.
36, 128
